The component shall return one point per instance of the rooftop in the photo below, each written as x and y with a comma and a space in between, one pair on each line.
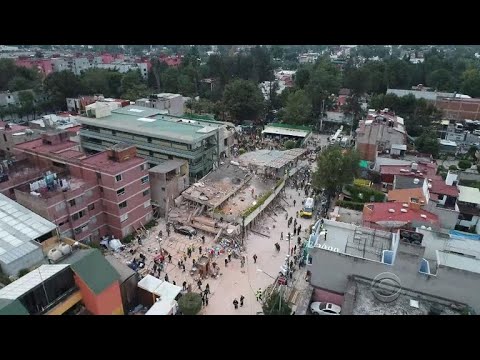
382, 213
39, 147
408, 182
289, 130
458, 261
103, 163
405, 195
151, 123
424, 170
408, 303
12, 127
270, 158
18, 227
29, 281
440, 187
167, 166
354, 240
469, 194
405, 161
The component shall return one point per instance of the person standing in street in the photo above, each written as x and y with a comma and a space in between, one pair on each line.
203, 239
169, 258
235, 304
226, 262
254, 258
294, 203
241, 300
281, 236
200, 250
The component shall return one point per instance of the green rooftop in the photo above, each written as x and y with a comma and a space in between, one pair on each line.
289, 126
148, 122
92, 267
12, 307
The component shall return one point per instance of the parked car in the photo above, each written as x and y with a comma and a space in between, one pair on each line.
322, 308
185, 230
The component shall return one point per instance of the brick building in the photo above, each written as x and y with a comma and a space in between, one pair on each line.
378, 133
87, 197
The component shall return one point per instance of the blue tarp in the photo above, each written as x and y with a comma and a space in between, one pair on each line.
455, 234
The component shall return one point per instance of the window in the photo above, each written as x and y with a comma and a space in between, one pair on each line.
170, 157
467, 217
118, 177
146, 192
124, 217
5, 137
143, 167
72, 202
8, 149
145, 179
59, 165
163, 189
225, 142
99, 176
61, 223
147, 204
122, 205
121, 191
91, 207
93, 220
149, 139
79, 215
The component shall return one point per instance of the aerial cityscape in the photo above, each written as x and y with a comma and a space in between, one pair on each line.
239, 180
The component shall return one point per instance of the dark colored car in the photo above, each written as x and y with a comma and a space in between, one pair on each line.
185, 230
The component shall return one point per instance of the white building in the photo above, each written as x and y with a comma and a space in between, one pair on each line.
174, 104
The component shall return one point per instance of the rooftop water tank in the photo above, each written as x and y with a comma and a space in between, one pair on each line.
54, 255
65, 248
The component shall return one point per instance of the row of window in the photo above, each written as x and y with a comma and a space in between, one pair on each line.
142, 168
123, 204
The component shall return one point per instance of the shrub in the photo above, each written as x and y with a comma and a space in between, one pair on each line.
23, 272
290, 144
260, 201
190, 303
453, 167
350, 205
464, 164
150, 224
242, 151
276, 305
128, 239
440, 169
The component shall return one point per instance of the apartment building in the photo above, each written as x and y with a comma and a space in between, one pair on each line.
86, 196
158, 137
378, 133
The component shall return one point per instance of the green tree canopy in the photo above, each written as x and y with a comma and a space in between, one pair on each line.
427, 143
190, 303
276, 305
243, 100
335, 168
298, 109
61, 85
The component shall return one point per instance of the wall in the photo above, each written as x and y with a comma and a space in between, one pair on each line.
463, 175
109, 302
25, 262
447, 218
330, 271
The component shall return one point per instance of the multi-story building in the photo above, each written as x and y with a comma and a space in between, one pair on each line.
44, 66
157, 137
174, 104
87, 197
379, 132
167, 182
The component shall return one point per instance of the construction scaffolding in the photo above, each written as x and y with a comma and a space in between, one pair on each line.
368, 243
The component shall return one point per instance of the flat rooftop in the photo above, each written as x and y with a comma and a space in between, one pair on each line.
167, 166
458, 261
469, 194
102, 163
18, 227
29, 281
270, 158
354, 240
286, 131
366, 303
151, 123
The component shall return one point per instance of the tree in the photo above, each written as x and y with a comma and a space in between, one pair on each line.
61, 85
324, 81
243, 100
471, 83
335, 168
27, 103
298, 109
290, 144
302, 77
190, 303
453, 167
427, 143
276, 305
464, 164
133, 86
440, 79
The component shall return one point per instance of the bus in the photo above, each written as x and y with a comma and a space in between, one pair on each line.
308, 207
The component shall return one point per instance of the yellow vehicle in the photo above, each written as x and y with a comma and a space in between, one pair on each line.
308, 207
